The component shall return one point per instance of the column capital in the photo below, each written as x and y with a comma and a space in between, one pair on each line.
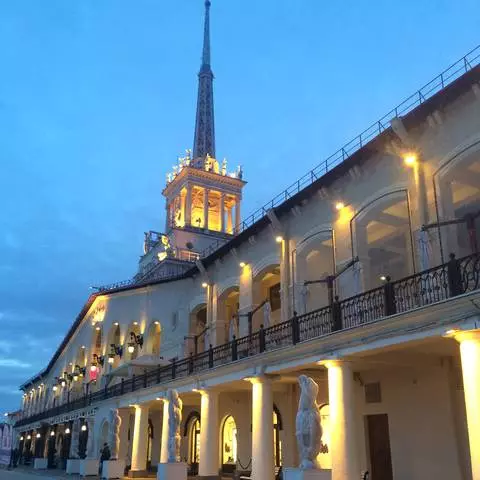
465, 335
261, 378
335, 362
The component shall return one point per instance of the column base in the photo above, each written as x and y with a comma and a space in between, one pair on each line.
172, 471
137, 473
89, 467
113, 469
73, 466
40, 464
303, 474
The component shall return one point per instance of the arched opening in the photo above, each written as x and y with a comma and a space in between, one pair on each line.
227, 311
229, 443
152, 341
266, 291
114, 350
198, 338
383, 239
149, 443
459, 185
314, 261
96, 352
193, 435
324, 457
83, 439
277, 442
133, 342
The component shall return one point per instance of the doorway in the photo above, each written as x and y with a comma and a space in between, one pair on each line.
379, 447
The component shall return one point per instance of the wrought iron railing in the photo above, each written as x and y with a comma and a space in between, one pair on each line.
449, 280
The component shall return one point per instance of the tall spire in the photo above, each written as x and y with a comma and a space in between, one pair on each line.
204, 141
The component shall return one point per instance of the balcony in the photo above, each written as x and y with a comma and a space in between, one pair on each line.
446, 281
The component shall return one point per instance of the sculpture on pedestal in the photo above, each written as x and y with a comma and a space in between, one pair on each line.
74, 442
308, 428
114, 433
174, 421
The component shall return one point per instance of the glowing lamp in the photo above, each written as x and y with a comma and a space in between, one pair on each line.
410, 158
67, 431
204, 284
97, 328
54, 388
135, 323
339, 205
29, 437
21, 438
84, 428
63, 383
75, 377
242, 264
383, 278
52, 433
38, 435
93, 367
131, 348
279, 239
111, 359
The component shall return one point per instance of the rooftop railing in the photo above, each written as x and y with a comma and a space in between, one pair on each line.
456, 277
445, 78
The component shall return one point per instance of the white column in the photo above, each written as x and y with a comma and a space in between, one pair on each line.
263, 463
345, 461
222, 212
140, 438
209, 434
205, 208
245, 298
91, 438
124, 426
238, 218
470, 355
188, 205
285, 279
164, 439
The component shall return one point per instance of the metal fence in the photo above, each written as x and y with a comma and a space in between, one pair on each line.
448, 280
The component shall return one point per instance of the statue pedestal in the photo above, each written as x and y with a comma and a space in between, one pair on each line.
40, 464
89, 467
113, 469
172, 471
310, 474
73, 466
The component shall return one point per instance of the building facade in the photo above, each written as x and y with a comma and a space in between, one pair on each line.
364, 275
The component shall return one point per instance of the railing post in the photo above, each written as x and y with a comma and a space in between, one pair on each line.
122, 386
234, 349
190, 363
389, 298
262, 338
144, 378
174, 367
210, 357
133, 382
336, 315
295, 329
454, 276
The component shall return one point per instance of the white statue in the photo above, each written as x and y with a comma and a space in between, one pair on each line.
75, 431
308, 428
114, 433
174, 421
224, 167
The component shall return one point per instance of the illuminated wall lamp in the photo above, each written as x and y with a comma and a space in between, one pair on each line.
135, 340
21, 438
339, 205
114, 350
84, 428
279, 239
52, 433
29, 437
67, 431
242, 264
38, 435
410, 158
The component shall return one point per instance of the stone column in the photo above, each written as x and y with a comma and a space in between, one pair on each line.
164, 440
285, 279
209, 434
91, 453
245, 298
222, 212
188, 205
238, 218
140, 439
345, 461
124, 426
263, 464
74, 439
205, 208
470, 354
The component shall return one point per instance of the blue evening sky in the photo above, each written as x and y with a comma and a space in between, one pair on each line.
97, 100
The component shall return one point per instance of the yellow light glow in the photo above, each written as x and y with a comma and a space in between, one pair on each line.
204, 284
52, 433
63, 383
135, 323
83, 347
279, 239
242, 264
54, 388
451, 332
162, 256
29, 437
339, 205
75, 378
410, 158
93, 368
116, 324
131, 349
156, 322
111, 360
97, 328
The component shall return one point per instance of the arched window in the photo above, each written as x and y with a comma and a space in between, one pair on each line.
229, 441
324, 458
153, 339
194, 441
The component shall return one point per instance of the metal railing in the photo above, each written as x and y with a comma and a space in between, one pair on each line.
445, 281
466, 63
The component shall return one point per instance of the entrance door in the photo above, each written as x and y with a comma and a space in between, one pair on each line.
379, 447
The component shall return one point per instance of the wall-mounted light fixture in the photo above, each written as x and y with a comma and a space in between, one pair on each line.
410, 158
84, 428
242, 264
29, 437
339, 205
38, 435
21, 438
279, 239
114, 351
52, 433
96, 360
135, 340
67, 431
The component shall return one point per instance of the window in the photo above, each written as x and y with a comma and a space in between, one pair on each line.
274, 294
229, 441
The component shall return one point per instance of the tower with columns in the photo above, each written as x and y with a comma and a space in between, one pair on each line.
202, 197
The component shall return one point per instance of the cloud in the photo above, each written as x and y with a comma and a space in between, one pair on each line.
13, 363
